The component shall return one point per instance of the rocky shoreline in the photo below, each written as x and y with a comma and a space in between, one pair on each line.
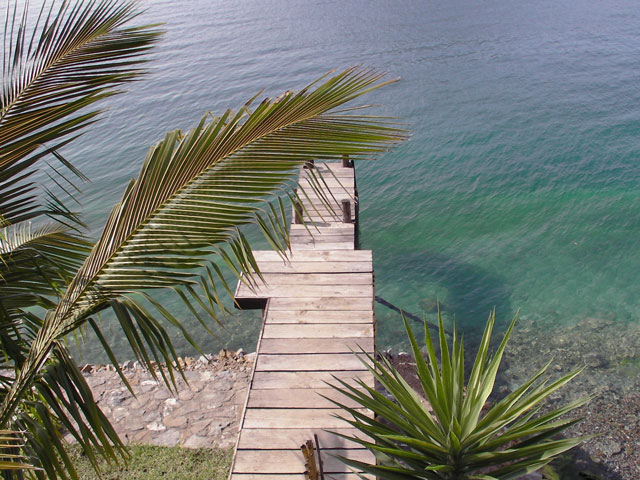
206, 413
609, 353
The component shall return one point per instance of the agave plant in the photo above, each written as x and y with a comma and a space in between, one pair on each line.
446, 431
177, 225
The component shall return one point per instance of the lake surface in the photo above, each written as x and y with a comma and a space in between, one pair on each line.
519, 188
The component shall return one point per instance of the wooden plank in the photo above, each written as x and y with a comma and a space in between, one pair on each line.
322, 205
316, 256
333, 233
319, 316
320, 418
305, 291
325, 330
327, 173
292, 438
308, 362
322, 238
319, 308
311, 210
328, 180
317, 278
279, 380
335, 246
337, 229
297, 398
292, 461
316, 345
295, 476
339, 184
316, 267
322, 303
333, 169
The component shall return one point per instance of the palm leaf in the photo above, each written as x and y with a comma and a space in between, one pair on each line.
37, 263
53, 71
196, 189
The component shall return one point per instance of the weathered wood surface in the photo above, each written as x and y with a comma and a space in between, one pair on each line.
316, 345
292, 461
292, 438
319, 309
294, 476
297, 398
277, 380
307, 362
321, 316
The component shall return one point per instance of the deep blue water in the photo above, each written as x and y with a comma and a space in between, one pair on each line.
519, 186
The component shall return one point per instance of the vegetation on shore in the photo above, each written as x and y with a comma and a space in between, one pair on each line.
149, 462
447, 430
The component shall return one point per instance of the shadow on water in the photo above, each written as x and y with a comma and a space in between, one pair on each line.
577, 464
471, 292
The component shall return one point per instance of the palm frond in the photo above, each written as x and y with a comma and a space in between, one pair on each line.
61, 401
53, 71
37, 263
196, 189
11, 458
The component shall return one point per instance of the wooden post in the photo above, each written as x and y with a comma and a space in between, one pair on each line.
346, 163
297, 212
346, 211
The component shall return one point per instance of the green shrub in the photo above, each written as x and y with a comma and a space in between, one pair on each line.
455, 435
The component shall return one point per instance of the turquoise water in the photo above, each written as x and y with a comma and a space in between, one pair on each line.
519, 187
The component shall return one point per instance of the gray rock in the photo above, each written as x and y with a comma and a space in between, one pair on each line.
156, 427
174, 421
152, 417
186, 395
169, 438
204, 359
119, 413
608, 446
196, 441
115, 399
594, 360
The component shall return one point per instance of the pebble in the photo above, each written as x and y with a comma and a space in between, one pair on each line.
593, 360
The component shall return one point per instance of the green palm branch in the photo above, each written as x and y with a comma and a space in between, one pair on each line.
10, 457
450, 436
37, 263
75, 54
53, 71
194, 192
185, 210
174, 228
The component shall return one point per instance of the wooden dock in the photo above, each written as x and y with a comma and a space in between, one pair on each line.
318, 307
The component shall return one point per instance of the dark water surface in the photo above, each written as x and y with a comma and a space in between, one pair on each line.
519, 188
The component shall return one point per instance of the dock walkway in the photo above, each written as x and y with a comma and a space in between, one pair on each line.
318, 307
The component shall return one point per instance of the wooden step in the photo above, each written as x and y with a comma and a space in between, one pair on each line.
320, 316
292, 461
316, 345
305, 362
280, 380
293, 438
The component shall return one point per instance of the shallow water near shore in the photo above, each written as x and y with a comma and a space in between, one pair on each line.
518, 189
